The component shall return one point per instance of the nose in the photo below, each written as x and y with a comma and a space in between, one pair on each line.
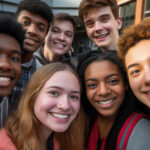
61, 36
5, 64
32, 29
103, 90
147, 76
63, 103
98, 26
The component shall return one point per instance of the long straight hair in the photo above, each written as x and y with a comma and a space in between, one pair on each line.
22, 126
126, 107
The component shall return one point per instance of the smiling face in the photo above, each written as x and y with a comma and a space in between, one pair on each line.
58, 102
104, 87
102, 28
137, 62
10, 63
36, 29
60, 37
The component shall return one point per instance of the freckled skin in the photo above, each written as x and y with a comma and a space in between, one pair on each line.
137, 62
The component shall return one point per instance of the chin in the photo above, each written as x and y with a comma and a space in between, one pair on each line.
60, 129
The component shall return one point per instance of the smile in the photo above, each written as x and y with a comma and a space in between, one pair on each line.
60, 116
59, 45
30, 41
106, 102
5, 79
102, 36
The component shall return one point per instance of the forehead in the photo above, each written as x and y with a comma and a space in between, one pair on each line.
63, 24
101, 68
24, 14
99, 11
8, 42
138, 53
64, 79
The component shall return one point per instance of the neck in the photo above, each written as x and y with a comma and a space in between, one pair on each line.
49, 55
26, 57
105, 124
113, 46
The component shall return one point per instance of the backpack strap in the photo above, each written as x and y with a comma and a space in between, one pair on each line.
93, 137
127, 128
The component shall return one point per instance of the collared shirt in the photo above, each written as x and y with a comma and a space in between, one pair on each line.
27, 70
3, 110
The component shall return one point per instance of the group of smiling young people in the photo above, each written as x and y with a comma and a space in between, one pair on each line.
103, 104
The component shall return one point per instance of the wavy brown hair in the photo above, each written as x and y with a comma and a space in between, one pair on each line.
132, 35
24, 128
86, 5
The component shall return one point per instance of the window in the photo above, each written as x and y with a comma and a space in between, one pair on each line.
147, 8
127, 13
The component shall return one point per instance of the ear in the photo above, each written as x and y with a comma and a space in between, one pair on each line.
119, 20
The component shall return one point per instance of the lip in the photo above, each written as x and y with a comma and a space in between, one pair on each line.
59, 45
30, 41
60, 117
106, 103
101, 37
5, 81
146, 93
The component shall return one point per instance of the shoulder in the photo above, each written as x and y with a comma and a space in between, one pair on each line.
5, 141
140, 136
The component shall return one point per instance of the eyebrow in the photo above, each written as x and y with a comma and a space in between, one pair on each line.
60, 88
26, 17
110, 75
132, 65
39, 23
56, 27
16, 52
101, 16
104, 15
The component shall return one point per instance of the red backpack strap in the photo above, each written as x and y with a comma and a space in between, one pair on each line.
103, 143
56, 145
127, 129
92, 143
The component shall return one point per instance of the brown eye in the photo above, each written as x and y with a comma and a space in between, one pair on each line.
113, 81
135, 72
89, 23
25, 23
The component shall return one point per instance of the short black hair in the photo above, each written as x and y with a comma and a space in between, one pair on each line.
36, 7
9, 26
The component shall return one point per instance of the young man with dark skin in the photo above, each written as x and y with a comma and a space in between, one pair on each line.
102, 22
11, 43
35, 17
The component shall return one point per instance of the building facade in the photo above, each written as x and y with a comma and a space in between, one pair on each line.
133, 11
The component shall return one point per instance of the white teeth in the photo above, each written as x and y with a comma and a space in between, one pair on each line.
102, 36
4, 79
106, 102
60, 44
61, 116
31, 40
